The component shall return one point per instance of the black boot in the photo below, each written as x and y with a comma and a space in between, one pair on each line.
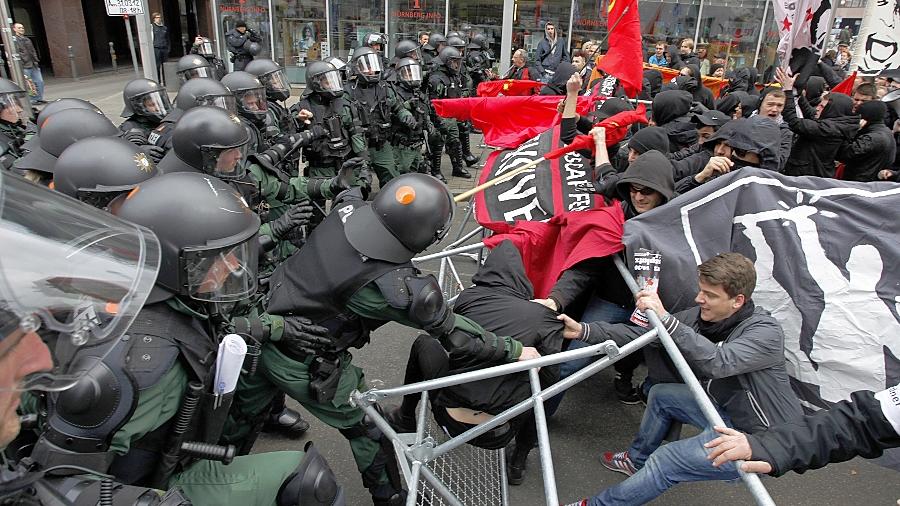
456, 161
515, 465
400, 420
468, 157
435, 159
287, 422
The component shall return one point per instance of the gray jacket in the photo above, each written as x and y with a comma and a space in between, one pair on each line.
27, 53
745, 374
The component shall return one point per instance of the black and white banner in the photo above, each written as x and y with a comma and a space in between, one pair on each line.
878, 45
827, 257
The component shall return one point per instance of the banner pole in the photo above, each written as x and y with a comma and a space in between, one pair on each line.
497, 180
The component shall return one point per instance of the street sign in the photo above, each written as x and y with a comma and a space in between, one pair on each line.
124, 7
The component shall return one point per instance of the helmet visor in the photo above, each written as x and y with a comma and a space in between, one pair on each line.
79, 272
152, 105
187, 75
224, 162
227, 102
330, 81
276, 81
411, 74
415, 54
15, 107
225, 274
205, 47
368, 65
253, 101
454, 64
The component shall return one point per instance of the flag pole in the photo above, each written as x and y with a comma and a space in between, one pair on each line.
497, 180
609, 32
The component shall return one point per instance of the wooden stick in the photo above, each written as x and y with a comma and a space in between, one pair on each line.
497, 180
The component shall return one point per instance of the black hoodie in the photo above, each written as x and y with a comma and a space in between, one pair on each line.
694, 85
670, 111
818, 140
655, 78
557, 84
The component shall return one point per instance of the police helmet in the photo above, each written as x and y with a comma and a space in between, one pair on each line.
208, 248
453, 33
61, 105
322, 78
205, 91
60, 131
15, 106
191, 66
145, 97
339, 64
409, 71
99, 169
451, 58
479, 41
250, 94
436, 42
209, 140
407, 49
457, 42
366, 64
205, 47
272, 76
409, 214
374, 39
254, 48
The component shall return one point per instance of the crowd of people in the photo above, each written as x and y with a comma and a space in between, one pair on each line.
255, 254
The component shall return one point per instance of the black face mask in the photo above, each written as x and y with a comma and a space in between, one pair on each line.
739, 163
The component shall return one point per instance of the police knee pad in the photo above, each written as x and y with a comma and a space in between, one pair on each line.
312, 484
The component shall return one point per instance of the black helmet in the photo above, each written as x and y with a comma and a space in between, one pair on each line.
206, 232
409, 214
191, 66
339, 64
479, 41
254, 48
454, 33
409, 72
204, 47
366, 64
451, 59
272, 76
145, 97
324, 79
457, 42
209, 140
205, 91
61, 105
61, 130
372, 39
250, 94
99, 169
436, 42
15, 106
407, 49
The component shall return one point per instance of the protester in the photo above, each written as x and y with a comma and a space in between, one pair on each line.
670, 111
686, 51
659, 57
872, 148
862, 94
31, 64
521, 67
160, 45
690, 81
704, 60
551, 51
738, 350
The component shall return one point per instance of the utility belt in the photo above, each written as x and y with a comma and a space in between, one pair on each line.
324, 371
411, 140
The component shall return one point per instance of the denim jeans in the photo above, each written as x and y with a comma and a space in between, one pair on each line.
34, 74
660, 467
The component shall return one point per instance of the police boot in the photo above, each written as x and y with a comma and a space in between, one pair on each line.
456, 161
515, 465
435, 159
286, 422
388, 496
468, 157
400, 419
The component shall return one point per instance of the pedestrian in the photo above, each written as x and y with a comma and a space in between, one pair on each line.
160, 45
31, 64
551, 51
241, 40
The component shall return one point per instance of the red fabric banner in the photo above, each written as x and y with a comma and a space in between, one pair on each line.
508, 87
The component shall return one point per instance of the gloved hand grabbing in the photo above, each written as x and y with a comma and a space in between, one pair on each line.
318, 131
155, 153
135, 136
288, 225
302, 336
347, 175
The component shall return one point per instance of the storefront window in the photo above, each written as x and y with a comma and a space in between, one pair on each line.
408, 18
254, 12
767, 48
670, 22
588, 22
351, 21
300, 34
530, 17
470, 17
731, 27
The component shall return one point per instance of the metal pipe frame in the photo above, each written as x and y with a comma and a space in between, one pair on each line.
760, 494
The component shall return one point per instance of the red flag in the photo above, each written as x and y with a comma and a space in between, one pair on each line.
508, 87
549, 248
616, 127
508, 121
846, 86
625, 56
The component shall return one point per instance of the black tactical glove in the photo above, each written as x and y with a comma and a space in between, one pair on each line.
347, 175
289, 225
136, 137
302, 336
318, 131
155, 153
364, 180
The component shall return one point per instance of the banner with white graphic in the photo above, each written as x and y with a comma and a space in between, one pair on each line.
801, 23
878, 45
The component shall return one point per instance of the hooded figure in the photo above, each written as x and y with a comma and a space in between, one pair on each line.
872, 149
649, 138
674, 57
694, 85
670, 111
653, 171
749, 103
655, 78
758, 134
815, 89
557, 84
818, 140
734, 104
551, 51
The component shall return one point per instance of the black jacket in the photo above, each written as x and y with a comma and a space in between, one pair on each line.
855, 427
236, 42
160, 37
557, 84
27, 53
819, 140
670, 109
872, 149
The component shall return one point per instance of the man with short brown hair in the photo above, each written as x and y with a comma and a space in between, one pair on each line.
735, 348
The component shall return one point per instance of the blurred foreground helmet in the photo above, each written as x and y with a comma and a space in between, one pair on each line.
272, 76
75, 272
191, 66
250, 94
208, 140
15, 106
147, 98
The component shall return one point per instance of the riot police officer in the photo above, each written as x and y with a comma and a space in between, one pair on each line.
341, 67
445, 81
380, 108
436, 43
479, 60
243, 43
353, 275
278, 89
196, 92
376, 42
15, 122
468, 90
191, 66
146, 104
203, 46
408, 141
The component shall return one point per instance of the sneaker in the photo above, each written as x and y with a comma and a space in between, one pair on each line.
625, 391
618, 462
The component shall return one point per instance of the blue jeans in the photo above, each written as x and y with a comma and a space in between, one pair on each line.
660, 467
34, 74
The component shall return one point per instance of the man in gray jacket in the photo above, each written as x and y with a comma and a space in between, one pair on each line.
551, 51
31, 64
735, 348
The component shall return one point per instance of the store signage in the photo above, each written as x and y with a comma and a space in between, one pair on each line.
241, 7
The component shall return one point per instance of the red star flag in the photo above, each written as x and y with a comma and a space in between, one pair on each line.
803, 23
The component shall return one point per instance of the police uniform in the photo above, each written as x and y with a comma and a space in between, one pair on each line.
442, 83
408, 142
